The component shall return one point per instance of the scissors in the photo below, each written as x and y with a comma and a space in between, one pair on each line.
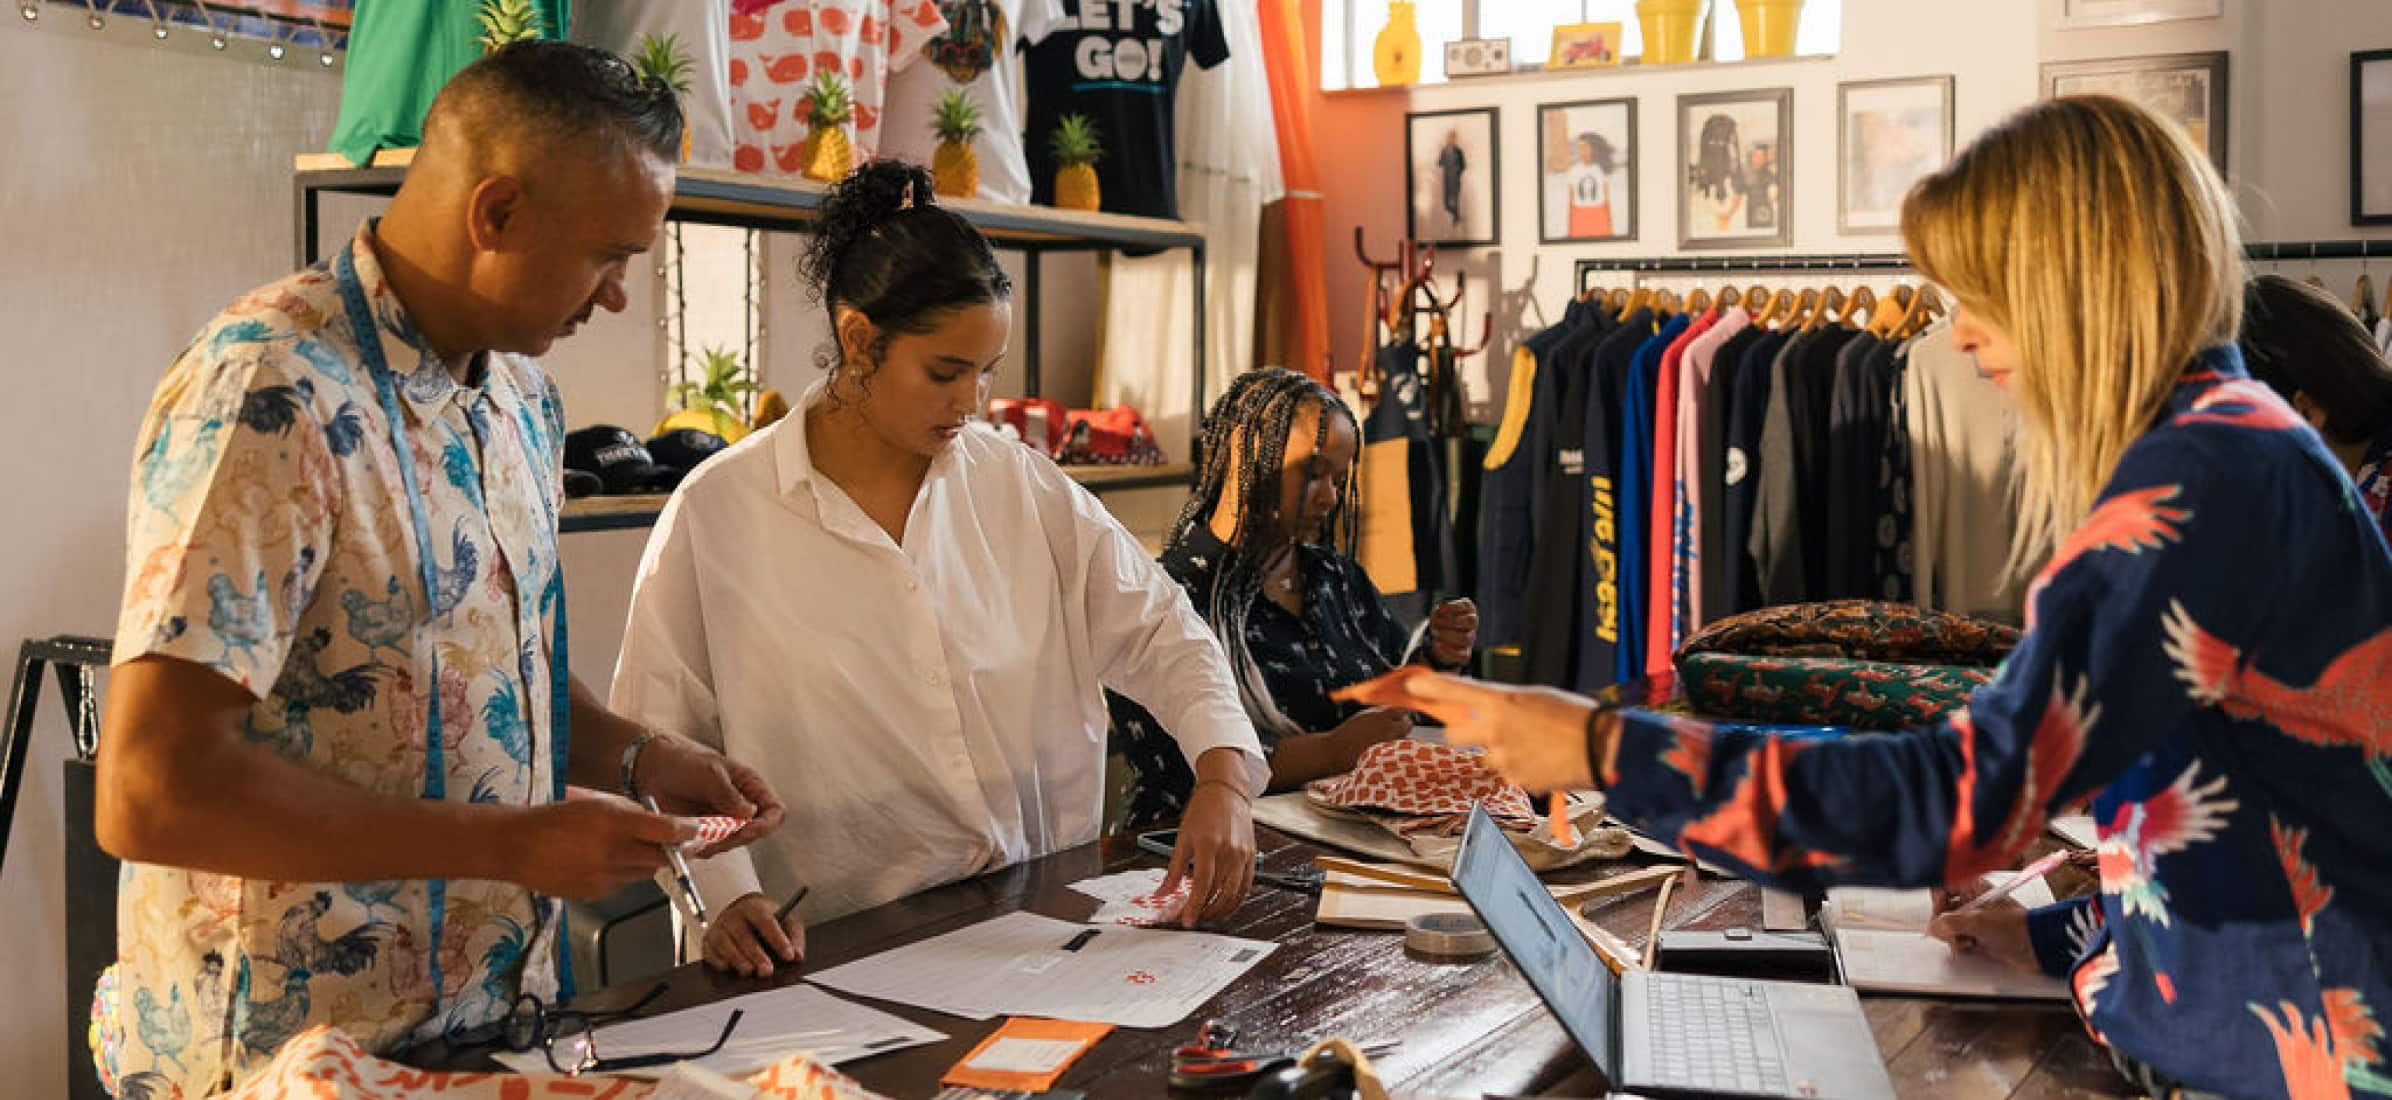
1304, 880
1212, 1063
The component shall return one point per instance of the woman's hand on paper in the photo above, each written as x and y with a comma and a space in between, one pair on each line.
1997, 930
744, 939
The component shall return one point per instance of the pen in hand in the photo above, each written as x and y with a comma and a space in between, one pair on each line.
781, 916
689, 889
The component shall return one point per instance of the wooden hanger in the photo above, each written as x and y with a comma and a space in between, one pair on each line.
1698, 301
1925, 306
1829, 306
1756, 298
1774, 313
1667, 301
1888, 316
1728, 296
1638, 298
1805, 304
1863, 302
2362, 299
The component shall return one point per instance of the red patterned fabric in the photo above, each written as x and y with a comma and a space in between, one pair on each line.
1434, 784
712, 829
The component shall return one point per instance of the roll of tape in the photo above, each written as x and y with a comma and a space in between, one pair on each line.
1448, 935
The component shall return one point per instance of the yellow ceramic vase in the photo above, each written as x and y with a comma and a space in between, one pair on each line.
1769, 26
1670, 28
1395, 56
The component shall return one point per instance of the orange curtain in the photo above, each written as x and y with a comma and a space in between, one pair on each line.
1294, 88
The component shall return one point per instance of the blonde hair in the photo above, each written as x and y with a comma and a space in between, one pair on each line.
2097, 235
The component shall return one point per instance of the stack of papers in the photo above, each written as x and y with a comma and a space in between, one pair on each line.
1023, 964
776, 1024
1882, 942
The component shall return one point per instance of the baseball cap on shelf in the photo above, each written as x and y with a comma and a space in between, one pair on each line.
684, 448
619, 460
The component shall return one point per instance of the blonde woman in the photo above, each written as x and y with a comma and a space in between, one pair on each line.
2207, 666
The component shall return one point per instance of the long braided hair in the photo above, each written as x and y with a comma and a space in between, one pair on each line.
1245, 441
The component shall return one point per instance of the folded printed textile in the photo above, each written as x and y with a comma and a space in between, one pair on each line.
1422, 792
324, 1063
1859, 630
1834, 691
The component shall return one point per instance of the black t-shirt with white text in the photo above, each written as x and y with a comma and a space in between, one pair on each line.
1118, 62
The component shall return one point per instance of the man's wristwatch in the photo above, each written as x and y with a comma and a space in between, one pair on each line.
631, 762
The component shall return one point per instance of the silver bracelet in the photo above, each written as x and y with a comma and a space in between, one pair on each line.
631, 762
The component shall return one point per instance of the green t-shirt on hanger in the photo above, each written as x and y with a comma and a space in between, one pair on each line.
400, 53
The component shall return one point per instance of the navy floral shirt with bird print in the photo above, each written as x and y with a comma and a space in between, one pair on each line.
1344, 636
2208, 668
272, 540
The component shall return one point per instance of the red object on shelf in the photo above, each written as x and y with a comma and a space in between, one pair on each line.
1041, 423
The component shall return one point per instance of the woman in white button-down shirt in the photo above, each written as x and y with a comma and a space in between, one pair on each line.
906, 620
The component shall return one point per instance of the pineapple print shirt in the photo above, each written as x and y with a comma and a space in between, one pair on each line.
974, 56
780, 48
274, 538
2225, 711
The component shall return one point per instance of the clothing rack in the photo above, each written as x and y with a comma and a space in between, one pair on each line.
2259, 251
1692, 265
2293, 251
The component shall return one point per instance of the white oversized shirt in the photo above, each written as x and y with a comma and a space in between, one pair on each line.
927, 711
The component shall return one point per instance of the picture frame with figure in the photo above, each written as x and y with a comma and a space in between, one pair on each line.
2187, 88
1735, 169
1890, 134
1586, 171
1453, 179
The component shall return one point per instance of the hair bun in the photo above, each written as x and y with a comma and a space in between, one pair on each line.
869, 198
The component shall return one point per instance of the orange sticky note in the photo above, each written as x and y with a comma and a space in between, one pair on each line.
1563, 834
1025, 1055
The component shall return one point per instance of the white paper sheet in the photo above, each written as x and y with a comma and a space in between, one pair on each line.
776, 1024
1019, 965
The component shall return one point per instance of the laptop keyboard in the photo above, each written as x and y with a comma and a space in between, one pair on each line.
1712, 1033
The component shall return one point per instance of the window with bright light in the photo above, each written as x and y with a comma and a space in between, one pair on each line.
1350, 30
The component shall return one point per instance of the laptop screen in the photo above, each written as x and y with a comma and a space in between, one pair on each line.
1538, 935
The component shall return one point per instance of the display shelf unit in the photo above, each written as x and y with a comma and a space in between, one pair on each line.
743, 201
614, 513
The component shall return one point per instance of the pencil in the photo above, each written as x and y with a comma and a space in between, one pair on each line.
781, 916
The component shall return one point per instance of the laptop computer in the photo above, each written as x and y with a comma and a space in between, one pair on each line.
1669, 1035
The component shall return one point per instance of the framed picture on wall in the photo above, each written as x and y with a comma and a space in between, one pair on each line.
1889, 135
2077, 14
1451, 177
2187, 87
2371, 138
1736, 169
1586, 165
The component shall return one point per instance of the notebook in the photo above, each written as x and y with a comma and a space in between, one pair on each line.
1882, 944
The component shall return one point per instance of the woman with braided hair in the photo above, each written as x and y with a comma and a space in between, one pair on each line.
908, 620
1262, 548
